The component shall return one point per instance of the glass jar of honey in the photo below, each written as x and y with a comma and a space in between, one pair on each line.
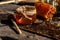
45, 10
26, 15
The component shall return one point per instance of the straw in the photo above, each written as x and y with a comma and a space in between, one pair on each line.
20, 32
36, 0
48, 1
42, 1
6, 2
53, 3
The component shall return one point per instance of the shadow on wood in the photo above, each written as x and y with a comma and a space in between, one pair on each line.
7, 38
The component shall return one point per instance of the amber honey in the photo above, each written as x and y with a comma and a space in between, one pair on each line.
30, 12
45, 10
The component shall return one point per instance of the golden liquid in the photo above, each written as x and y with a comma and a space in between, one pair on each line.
44, 10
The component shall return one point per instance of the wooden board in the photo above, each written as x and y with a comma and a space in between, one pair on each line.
45, 29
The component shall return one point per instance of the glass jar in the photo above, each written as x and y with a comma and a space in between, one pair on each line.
45, 10
30, 12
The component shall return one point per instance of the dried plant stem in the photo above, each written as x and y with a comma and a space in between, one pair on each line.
20, 32
6, 2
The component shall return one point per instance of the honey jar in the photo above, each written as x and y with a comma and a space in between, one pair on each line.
27, 16
45, 10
